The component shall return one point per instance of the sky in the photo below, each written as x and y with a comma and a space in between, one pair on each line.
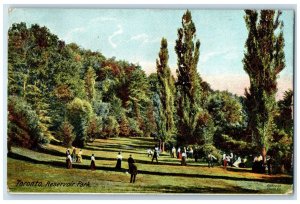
134, 35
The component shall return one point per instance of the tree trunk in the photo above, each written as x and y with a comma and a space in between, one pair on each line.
163, 147
264, 153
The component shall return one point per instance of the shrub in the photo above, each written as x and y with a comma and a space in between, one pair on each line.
66, 134
79, 113
23, 124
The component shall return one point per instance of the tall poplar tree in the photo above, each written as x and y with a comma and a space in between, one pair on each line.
166, 93
188, 80
263, 60
89, 85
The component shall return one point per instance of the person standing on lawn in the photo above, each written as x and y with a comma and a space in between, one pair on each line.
132, 169
173, 153
79, 157
69, 162
74, 154
119, 161
93, 163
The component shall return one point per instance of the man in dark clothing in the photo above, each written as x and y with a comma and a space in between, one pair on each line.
132, 169
155, 155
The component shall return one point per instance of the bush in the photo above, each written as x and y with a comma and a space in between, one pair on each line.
94, 128
134, 128
111, 127
66, 134
79, 113
23, 124
205, 149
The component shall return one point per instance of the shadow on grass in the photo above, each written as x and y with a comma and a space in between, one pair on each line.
95, 148
239, 169
194, 189
132, 145
280, 180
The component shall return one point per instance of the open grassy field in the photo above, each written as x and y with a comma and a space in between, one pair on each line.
44, 171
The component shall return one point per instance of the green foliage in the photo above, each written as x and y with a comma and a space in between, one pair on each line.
237, 146
225, 108
23, 124
188, 80
229, 118
204, 150
90, 83
166, 92
284, 119
134, 128
204, 130
281, 148
79, 114
111, 127
264, 59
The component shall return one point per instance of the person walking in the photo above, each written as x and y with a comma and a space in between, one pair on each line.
155, 155
211, 159
132, 169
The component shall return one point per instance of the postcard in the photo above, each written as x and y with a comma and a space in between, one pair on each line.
150, 101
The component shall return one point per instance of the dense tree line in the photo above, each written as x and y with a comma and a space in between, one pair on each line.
61, 92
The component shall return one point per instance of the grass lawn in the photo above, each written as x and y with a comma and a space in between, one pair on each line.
44, 171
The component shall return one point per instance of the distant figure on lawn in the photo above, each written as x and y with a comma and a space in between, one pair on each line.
258, 165
68, 152
155, 155
79, 156
69, 162
119, 161
237, 162
173, 153
183, 159
157, 150
269, 164
190, 153
93, 164
226, 161
132, 169
149, 152
210, 159
178, 152
231, 159
74, 154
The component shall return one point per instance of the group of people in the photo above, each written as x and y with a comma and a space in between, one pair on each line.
182, 154
233, 161
77, 157
259, 166
132, 168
